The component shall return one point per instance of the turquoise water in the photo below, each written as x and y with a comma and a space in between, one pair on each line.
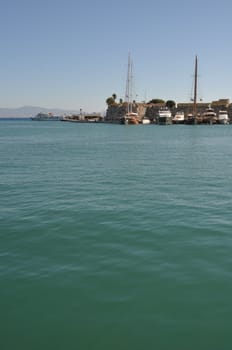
115, 237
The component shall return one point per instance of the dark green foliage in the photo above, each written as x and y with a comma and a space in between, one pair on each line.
170, 104
156, 101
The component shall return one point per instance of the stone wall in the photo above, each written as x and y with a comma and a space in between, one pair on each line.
115, 112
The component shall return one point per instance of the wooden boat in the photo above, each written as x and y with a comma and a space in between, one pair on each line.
130, 118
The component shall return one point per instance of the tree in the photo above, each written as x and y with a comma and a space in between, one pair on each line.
170, 104
156, 101
110, 101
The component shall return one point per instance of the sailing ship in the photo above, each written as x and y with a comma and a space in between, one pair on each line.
130, 117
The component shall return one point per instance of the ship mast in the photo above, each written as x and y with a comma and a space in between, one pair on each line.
128, 94
195, 90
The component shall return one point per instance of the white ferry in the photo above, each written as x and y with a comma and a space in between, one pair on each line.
46, 117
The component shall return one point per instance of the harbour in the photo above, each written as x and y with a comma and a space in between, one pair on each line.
156, 111
156, 115
115, 175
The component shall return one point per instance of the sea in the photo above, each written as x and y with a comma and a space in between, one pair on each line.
115, 237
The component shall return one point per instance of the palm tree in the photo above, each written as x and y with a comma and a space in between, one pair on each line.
110, 101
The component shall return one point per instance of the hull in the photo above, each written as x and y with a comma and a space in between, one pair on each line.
164, 120
178, 121
129, 121
224, 121
191, 120
46, 119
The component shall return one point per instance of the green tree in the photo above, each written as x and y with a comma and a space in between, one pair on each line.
170, 104
156, 101
110, 101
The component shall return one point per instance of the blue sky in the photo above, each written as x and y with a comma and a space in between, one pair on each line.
72, 54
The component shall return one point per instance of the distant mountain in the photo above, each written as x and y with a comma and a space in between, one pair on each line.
30, 111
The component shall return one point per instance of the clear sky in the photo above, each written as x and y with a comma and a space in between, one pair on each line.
72, 54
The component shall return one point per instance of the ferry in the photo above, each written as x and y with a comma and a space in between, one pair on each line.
46, 117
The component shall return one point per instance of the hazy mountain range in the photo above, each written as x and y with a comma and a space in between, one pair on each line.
30, 111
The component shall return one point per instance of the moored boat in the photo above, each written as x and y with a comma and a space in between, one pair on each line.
178, 118
223, 117
164, 116
145, 121
209, 116
130, 118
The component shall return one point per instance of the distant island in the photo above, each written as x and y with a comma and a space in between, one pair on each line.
30, 111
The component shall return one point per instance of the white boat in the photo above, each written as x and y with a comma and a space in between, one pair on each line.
145, 121
209, 116
223, 117
164, 116
178, 118
46, 117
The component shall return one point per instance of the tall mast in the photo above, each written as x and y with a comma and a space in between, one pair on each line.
128, 94
195, 90
130, 84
